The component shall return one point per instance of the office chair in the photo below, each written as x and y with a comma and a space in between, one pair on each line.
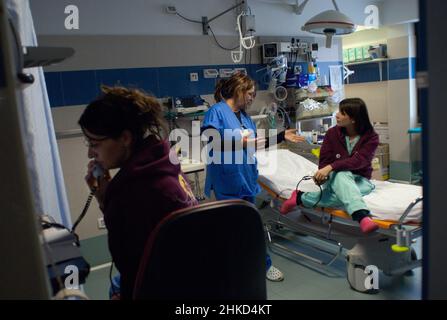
213, 251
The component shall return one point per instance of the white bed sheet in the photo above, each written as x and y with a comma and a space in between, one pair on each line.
388, 201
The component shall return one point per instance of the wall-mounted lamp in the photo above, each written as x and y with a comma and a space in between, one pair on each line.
329, 23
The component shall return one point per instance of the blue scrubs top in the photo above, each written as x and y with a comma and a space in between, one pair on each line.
236, 179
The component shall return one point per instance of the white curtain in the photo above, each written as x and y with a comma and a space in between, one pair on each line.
41, 148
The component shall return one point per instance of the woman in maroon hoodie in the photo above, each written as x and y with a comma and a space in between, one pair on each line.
345, 166
125, 130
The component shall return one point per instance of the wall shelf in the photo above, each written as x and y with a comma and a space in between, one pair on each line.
316, 117
366, 61
378, 61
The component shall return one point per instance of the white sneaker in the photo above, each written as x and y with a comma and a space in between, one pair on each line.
273, 274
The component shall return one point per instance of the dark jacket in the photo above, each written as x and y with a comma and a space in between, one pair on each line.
143, 192
335, 152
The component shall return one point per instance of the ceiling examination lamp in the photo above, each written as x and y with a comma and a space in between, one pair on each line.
329, 23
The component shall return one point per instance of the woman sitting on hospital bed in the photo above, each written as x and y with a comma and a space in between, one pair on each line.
344, 166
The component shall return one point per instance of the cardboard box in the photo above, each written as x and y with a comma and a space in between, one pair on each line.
383, 159
345, 56
383, 148
358, 54
384, 138
351, 54
382, 131
381, 162
379, 171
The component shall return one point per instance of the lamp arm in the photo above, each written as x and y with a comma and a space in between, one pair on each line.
335, 5
300, 7
222, 13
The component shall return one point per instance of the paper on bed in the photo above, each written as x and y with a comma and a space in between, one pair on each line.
289, 169
387, 202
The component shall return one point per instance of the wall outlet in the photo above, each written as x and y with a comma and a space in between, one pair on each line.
210, 73
194, 76
171, 9
101, 223
226, 73
241, 70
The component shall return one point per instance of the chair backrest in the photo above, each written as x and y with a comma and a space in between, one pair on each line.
213, 251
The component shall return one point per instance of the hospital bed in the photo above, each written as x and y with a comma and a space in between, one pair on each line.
396, 208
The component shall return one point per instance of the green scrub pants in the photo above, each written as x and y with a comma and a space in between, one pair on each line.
343, 190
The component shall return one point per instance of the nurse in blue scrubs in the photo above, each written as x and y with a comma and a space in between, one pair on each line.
229, 127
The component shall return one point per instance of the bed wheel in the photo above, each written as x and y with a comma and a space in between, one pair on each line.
273, 227
356, 277
278, 227
414, 257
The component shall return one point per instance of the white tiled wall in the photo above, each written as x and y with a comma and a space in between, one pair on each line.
375, 96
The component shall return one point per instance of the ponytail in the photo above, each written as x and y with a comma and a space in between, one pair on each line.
218, 91
119, 109
233, 87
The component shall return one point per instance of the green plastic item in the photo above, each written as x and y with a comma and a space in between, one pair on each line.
397, 248
345, 56
351, 54
358, 54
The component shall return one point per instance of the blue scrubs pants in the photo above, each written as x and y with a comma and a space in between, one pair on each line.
343, 190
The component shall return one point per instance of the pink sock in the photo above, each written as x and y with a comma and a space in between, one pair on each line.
367, 225
289, 204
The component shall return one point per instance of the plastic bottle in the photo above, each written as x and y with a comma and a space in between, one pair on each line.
311, 70
317, 73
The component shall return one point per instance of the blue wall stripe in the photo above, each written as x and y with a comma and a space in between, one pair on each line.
413, 67
54, 88
80, 87
393, 69
400, 68
368, 72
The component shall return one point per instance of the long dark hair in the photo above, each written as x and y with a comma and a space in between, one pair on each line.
119, 109
234, 87
356, 109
